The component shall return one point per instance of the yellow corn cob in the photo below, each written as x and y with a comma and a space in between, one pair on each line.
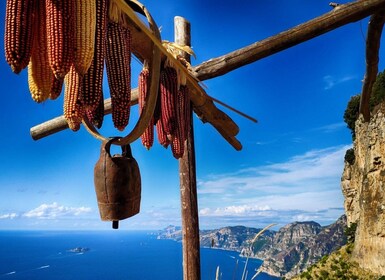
73, 106
18, 33
148, 135
85, 24
60, 35
118, 72
40, 76
93, 80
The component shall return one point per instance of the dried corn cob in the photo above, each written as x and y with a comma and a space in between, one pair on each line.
162, 136
96, 115
168, 92
73, 106
60, 32
40, 76
148, 135
84, 26
118, 73
18, 34
181, 130
56, 88
93, 80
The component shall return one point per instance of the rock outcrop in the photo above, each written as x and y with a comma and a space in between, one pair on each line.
363, 185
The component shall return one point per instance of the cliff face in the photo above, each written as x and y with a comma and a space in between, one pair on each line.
363, 185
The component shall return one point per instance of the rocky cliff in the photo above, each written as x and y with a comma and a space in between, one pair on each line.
299, 245
363, 185
285, 252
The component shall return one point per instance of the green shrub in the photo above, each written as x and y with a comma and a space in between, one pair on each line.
351, 113
324, 274
378, 91
350, 232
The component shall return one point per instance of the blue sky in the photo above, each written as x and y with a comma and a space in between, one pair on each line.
292, 160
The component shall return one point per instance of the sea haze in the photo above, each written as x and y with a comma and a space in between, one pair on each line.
111, 254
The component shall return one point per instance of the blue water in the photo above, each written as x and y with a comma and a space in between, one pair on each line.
112, 254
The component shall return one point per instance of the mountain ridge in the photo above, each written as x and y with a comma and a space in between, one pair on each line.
285, 252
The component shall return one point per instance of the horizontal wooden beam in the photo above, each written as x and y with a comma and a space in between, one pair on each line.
339, 16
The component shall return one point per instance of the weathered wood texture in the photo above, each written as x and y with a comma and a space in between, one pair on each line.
373, 39
188, 183
339, 16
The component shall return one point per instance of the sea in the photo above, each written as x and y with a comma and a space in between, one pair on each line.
114, 254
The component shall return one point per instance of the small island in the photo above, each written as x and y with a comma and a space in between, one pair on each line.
78, 250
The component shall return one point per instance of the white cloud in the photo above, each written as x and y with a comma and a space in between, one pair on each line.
54, 210
306, 185
10, 216
331, 81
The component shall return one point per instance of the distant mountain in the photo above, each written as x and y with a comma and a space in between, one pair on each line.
285, 252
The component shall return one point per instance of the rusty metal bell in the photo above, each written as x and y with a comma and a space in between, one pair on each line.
117, 184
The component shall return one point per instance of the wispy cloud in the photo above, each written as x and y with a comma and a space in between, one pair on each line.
331, 128
54, 210
10, 216
331, 81
304, 185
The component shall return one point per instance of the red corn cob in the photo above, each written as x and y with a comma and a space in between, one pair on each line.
148, 135
60, 32
18, 34
92, 84
56, 88
96, 115
118, 73
168, 92
177, 145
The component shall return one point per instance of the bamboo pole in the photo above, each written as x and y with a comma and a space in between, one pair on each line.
373, 39
188, 185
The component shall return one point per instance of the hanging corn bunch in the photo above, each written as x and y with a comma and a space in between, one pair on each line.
19, 19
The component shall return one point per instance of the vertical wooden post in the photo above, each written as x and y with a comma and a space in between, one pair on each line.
188, 185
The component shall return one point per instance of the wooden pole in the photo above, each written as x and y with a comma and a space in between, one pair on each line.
188, 186
376, 25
